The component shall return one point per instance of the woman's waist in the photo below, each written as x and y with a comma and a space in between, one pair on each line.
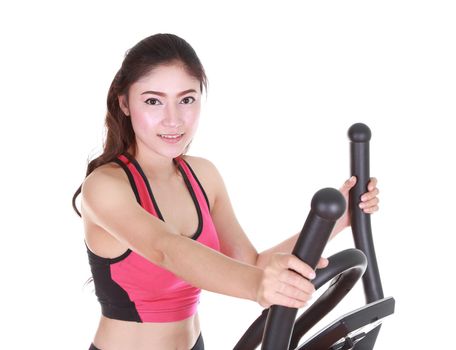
169, 308
147, 335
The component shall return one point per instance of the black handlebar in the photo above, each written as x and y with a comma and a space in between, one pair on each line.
276, 325
345, 269
360, 135
327, 206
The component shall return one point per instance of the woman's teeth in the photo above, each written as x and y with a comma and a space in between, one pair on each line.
171, 138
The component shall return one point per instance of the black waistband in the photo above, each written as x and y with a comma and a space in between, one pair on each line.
199, 345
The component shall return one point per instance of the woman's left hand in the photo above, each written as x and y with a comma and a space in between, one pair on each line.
369, 201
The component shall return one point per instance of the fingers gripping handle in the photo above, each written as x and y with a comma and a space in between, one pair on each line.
327, 206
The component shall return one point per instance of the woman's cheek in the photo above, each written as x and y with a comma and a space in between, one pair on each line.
145, 121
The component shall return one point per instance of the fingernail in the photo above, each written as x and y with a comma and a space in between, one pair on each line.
312, 275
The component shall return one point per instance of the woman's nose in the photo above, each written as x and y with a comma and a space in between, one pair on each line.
172, 117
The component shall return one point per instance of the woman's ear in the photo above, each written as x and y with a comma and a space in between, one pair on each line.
123, 104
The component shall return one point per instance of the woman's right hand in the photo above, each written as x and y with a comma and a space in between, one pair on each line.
282, 286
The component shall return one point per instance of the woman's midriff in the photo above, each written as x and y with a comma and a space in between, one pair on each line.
115, 334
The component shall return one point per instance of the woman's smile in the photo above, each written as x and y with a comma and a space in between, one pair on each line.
171, 138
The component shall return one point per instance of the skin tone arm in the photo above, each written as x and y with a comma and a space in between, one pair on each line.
110, 203
234, 241
369, 204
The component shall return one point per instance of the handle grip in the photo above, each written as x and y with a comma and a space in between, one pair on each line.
327, 206
360, 135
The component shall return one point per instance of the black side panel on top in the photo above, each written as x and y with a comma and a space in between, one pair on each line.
114, 300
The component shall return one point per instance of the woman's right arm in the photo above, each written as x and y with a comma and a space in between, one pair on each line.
110, 203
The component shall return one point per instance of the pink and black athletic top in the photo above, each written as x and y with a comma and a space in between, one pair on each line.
130, 287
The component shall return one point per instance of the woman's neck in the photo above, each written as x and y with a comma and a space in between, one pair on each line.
155, 166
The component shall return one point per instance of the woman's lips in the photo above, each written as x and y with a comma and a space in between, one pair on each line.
171, 138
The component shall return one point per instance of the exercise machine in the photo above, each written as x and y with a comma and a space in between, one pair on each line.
277, 327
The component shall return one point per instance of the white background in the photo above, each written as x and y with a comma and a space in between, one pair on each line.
287, 79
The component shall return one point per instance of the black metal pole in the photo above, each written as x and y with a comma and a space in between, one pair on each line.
360, 136
327, 206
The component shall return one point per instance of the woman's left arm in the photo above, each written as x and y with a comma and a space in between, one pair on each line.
235, 243
369, 204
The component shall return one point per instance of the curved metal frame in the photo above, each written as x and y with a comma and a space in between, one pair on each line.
344, 269
275, 325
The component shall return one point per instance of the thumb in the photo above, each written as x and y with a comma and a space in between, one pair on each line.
348, 184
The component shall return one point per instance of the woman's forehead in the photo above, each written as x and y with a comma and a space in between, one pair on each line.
165, 71
169, 78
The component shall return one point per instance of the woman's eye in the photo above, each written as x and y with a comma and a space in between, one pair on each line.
188, 100
153, 101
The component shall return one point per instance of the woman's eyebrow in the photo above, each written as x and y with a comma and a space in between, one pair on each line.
159, 93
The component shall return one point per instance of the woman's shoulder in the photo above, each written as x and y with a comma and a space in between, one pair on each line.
198, 162
108, 177
207, 173
202, 166
107, 171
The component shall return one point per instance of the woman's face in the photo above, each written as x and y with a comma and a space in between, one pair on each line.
164, 108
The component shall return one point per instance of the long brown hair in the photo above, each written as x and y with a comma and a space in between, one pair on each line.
141, 59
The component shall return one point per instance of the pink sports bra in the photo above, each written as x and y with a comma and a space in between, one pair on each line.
130, 287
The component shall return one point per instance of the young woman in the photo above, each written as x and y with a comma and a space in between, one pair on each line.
159, 225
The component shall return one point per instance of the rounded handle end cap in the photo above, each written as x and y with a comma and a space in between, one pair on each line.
359, 132
328, 203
